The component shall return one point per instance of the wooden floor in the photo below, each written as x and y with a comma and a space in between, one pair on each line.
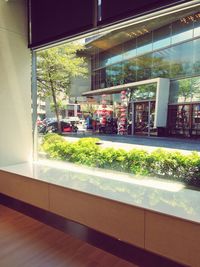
25, 242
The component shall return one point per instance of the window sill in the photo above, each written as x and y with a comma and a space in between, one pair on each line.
170, 198
160, 217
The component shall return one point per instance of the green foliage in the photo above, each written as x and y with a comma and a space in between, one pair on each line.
138, 161
160, 163
111, 158
85, 151
56, 67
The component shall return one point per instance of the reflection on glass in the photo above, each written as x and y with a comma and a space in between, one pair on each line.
161, 37
197, 24
144, 67
117, 74
114, 75
196, 116
97, 99
144, 43
102, 78
182, 30
144, 116
130, 71
95, 59
195, 89
130, 49
123, 65
179, 116
196, 57
96, 79
181, 60
180, 91
161, 63
111, 56
143, 92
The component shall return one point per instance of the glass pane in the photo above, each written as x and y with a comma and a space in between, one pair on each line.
96, 79
109, 81
197, 24
161, 37
152, 90
161, 63
182, 30
181, 60
117, 72
103, 78
195, 89
111, 56
144, 67
144, 92
114, 75
196, 52
130, 69
140, 93
95, 60
144, 43
130, 49
196, 117
180, 91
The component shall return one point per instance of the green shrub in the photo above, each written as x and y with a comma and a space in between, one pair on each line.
160, 163
54, 146
111, 158
138, 161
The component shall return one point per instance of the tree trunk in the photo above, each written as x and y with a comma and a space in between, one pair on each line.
56, 108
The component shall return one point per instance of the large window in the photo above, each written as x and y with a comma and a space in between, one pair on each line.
144, 43
161, 63
138, 79
181, 60
151, 52
144, 67
196, 56
182, 30
130, 71
162, 37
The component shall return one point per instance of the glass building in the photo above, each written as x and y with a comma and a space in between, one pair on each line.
148, 75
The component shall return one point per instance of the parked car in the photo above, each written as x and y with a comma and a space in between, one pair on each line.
52, 127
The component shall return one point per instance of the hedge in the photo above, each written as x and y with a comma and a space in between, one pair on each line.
159, 163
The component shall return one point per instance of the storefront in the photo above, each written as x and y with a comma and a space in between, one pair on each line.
152, 70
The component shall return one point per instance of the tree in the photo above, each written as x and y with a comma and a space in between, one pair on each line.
55, 69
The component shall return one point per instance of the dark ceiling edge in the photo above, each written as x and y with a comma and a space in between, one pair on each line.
127, 16
87, 29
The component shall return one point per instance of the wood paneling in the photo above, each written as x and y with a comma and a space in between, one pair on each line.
26, 242
164, 235
172, 237
121, 221
25, 189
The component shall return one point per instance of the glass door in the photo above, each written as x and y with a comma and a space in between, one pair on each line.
143, 115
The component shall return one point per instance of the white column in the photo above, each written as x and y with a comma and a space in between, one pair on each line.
15, 84
162, 98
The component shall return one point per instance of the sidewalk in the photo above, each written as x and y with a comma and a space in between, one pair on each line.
140, 142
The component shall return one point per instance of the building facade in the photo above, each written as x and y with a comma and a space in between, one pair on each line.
148, 73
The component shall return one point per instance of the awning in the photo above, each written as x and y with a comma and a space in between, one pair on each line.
119, 88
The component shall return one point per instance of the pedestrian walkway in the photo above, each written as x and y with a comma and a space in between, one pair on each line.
141, 142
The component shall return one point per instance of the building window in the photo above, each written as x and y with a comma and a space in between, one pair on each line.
182, 30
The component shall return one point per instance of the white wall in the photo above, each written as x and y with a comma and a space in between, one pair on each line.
15, 84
